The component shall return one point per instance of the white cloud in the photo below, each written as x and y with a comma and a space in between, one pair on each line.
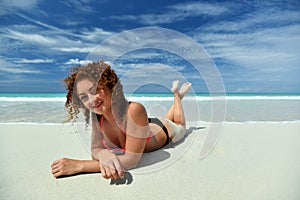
155, 68
149, 37
13, 6
266, 47
38, 25
80, 5
96, 35
85, 6
137, 75
260, 49
198, 8
263, 40
74, 49
76, 61
11, 67
177, 12
260, 44
52, 40
34, 61
33, 38
19, 70
260, 19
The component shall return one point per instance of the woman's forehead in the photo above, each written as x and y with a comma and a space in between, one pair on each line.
84, 84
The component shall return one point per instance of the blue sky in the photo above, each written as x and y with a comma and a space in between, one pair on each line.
254, 44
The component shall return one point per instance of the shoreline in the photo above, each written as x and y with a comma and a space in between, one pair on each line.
239, 109
203, 122
249, 161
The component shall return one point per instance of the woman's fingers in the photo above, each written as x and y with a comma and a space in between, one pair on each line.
112, 170
56, 171
114, 173
55, 164
55, 168
119, 168
65, 166
110, 165
103, 171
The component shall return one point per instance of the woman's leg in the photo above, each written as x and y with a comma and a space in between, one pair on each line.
175, 120
175, 113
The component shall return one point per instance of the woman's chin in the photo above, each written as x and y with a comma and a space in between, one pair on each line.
97, 111
101, 110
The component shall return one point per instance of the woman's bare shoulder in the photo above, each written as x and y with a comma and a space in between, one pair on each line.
137, 112
136, 107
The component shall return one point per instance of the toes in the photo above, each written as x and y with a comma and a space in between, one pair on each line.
175, 86
184, 89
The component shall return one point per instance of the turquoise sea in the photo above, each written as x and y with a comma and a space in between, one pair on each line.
49, 107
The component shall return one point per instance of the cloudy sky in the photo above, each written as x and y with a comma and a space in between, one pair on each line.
254, 45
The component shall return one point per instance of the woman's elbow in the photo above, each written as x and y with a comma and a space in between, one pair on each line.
130, 166
131, 162
133, 165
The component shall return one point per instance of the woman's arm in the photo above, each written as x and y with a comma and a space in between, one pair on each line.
108, 163
67, 166
137, 131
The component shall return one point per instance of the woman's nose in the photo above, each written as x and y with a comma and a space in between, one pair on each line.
91, 99
96, 96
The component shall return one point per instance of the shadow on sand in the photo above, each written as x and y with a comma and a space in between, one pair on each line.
146, 160
160, 154
126, 180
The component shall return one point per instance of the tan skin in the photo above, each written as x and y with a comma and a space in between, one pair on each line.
137, 129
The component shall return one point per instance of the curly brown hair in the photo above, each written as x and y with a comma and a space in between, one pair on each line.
99, 73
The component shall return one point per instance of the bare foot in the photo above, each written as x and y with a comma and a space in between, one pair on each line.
65, 166
175, 86
184, 89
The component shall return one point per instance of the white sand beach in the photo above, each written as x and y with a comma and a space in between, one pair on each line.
250, 161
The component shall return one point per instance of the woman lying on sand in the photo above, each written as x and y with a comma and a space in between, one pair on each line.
121, 130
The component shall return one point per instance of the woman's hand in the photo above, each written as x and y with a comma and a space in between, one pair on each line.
110, 165
66, 166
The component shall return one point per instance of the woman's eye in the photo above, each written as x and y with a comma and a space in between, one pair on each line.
93, 90
83, 98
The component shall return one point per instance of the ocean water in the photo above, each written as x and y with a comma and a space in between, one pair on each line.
49, 107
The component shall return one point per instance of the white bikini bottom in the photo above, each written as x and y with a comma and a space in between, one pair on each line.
176, 131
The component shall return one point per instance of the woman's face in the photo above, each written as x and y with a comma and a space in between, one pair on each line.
97, 102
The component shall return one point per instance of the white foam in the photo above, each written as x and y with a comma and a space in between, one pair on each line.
188, 122
262, 97
33, 123
262, 122
157, 98
188, 98
214, 98
14, 99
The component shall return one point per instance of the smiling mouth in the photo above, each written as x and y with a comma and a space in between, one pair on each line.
98, 104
